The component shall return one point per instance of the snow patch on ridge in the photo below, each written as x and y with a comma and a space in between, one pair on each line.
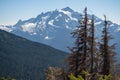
8, 29
99, 22
68, 13
51, 22
29, 27
66, 20
48, 38
58, 17
118, 28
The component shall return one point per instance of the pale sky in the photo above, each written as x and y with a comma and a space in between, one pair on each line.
13, 10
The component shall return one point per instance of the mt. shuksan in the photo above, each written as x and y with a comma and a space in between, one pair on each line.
54, 27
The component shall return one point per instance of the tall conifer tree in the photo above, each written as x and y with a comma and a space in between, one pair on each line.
77, 59
92, 45
105, 50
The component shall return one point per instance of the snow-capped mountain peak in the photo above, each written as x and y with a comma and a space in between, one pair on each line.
54, 27
68, 9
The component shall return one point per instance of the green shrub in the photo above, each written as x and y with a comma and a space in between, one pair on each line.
102, 77
7, 78
105, 77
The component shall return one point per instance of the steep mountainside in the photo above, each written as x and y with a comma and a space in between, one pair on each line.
26, 60
54, 27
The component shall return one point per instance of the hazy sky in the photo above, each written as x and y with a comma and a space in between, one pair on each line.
13, 10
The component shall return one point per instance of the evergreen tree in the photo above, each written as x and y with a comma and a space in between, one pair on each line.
92, 45
77, 59
92, 51
105, 50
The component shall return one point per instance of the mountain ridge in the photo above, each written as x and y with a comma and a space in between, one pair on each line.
23, 59
53, 28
